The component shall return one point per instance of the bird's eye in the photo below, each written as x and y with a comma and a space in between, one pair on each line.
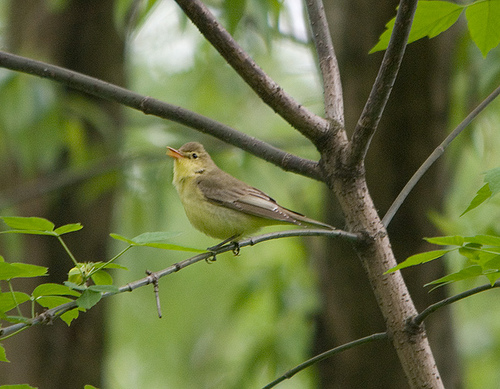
194, 155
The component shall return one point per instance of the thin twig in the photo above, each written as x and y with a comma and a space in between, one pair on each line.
418, 319
325, 355
59, 310
381, 90
309, 124
149, 105
438, 151
334, 102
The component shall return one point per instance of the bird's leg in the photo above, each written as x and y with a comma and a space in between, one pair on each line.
213, 249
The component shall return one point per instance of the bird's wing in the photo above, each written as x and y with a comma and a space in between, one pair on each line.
244, 198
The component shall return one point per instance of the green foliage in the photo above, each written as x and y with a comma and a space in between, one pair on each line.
155, 239
19, 386
481, 251
434, 17
488, 190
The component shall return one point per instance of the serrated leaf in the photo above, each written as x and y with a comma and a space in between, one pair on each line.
52, 301
483, 194
483, 21
28, 223
455, 240
67, 228
51, 289
9, 301
104, 288
431, 19
3, 355
88, 299
101, 277
69, 316
418, 259
464, 274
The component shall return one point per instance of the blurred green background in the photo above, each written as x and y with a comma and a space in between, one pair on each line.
241, 321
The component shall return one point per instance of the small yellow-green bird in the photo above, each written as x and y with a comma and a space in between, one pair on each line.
220, 205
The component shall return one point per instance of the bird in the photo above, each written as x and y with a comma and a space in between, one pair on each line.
220, 205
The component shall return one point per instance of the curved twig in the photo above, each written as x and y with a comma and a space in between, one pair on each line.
325, 355
418, 319
152, 106
381, 90
50, 314
434, 156
310, 125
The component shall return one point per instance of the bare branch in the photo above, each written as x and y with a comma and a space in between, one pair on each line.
327, 354
149, 105
309, 124
153, 277
438, 151
418, 319
334, 102
381, 90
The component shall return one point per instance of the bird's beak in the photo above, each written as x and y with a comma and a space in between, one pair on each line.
171, 152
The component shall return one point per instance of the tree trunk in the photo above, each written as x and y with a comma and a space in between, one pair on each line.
414, 122
80, 36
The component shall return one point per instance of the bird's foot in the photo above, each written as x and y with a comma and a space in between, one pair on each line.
215, 249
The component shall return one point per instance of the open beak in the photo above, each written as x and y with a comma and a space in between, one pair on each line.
171, 152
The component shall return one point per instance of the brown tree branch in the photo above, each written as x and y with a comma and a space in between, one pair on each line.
309, 124
149, 105
381, 90
332, 86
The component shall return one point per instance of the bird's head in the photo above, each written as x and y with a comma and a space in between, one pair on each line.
190, 160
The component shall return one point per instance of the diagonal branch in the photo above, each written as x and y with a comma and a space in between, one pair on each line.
332, 86
327, 354
381, 90
149, 105
435, 155
418, 319
52, 313
309, 124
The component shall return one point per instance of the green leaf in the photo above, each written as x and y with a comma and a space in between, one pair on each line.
455, 240
90, 387
18, 270
122, 238
483, 21
418, 259
464, 274
431, 19
3, 355
9, 300
28, 223
152, 239
68, 228
492, 177
88, 299
482, 195
52, 301
50, 289
18, 386
104, 288
233, 12
102, 278
69, 316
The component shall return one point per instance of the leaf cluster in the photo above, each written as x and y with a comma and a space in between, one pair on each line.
434, 17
